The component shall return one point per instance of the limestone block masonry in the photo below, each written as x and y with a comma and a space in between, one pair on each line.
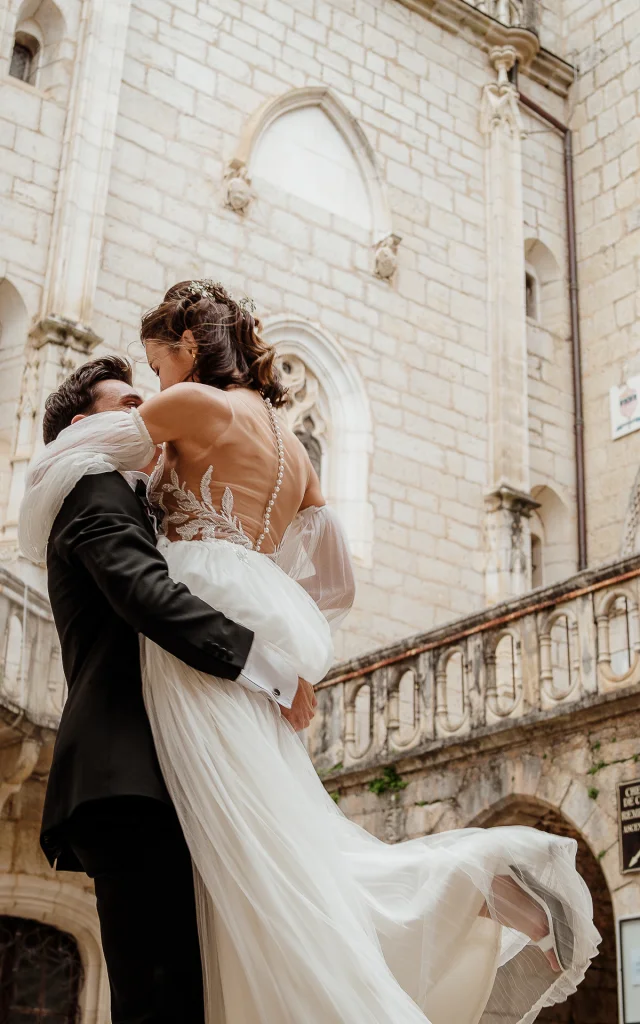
365, 172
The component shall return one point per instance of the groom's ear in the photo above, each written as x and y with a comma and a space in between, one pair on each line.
80, 416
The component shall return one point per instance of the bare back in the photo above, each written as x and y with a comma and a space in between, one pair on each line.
218, 479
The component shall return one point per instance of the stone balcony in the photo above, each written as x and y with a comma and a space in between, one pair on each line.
32, 686
512, 13
549, 654
559, 651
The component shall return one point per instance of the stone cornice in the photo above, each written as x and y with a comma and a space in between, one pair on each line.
458, 16
508, 497
59, 331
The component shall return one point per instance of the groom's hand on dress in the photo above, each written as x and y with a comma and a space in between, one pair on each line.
303, 707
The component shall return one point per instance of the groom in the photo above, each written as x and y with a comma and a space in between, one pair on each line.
107, 811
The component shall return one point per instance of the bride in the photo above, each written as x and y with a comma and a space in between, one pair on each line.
304, 916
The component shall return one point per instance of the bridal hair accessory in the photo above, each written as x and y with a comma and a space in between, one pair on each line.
205, 287
212, 290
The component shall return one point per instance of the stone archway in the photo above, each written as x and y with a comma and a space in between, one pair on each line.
70, 909
596, 1001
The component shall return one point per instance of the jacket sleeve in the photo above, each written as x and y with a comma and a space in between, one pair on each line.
101, 527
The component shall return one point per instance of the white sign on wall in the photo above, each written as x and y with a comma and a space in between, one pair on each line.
629, 969
625, 408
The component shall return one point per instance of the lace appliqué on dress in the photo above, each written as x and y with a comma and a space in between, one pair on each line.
192, 516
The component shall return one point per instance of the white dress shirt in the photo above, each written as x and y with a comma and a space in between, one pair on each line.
268, 669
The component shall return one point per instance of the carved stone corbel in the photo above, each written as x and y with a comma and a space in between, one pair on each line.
57, 330
57, 346
500, 99
386, 258
23, 768
237, 188
507, 529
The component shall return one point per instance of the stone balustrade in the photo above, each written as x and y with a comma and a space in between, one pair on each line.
32, 682
544, 654
534, 658
512, 13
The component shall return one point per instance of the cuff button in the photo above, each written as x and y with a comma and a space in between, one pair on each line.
276, 693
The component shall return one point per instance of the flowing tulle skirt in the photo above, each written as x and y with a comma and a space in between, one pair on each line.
304, 916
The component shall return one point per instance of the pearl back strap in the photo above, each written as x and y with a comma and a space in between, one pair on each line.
266, 525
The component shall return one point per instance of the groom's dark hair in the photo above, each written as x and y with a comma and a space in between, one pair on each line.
76, 394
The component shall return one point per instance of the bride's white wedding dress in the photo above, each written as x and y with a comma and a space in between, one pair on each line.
305, 918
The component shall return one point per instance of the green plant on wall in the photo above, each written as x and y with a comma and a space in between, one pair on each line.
388, 782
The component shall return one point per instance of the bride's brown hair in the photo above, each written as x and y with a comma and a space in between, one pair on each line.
229, 349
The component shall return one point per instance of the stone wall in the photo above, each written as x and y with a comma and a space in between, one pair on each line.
551, 433
419, 343
408, 95
606, 41
145, 153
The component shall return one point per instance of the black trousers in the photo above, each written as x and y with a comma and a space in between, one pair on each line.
135, 851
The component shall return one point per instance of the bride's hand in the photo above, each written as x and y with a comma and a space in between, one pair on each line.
303, 707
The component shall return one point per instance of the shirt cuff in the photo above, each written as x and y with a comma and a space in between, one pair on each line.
270, 670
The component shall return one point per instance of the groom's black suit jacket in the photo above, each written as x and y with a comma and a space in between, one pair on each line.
107, 584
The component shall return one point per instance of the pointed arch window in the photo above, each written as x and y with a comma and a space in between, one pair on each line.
24, 57
309, 145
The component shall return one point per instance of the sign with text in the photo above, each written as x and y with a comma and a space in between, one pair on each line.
625, 408
629, 825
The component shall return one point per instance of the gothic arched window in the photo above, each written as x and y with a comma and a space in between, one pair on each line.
40, 973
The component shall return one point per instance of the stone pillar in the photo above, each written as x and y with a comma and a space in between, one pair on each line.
7, 36
62, 339
56, 348
508, 502
78, 223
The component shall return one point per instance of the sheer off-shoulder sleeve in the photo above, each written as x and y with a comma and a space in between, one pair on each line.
100, 443
314, 551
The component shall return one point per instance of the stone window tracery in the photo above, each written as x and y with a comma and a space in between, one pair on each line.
40, 973
302, 412
329, 410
